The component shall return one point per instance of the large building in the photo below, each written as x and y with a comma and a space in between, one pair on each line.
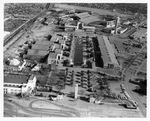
55, 57
15, 84
36, 54
80, 26
40, 47
40, 53
86, 18
43, 42
52, 58
107, 53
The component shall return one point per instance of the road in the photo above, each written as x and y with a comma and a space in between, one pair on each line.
132, 94
15, 109
141, 23
133, 60
129, 87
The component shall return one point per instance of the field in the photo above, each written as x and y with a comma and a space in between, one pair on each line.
11, 24
128, 7
23, 9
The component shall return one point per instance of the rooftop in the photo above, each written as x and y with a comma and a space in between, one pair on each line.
70, 26
58, 51
90, 19
54, 38
37, 52
83, 15
57, 46
61, 41
110, 50
11, 78
40, 47
106, 50
44, 42
52, 55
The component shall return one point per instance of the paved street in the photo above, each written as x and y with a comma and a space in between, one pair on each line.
129, 87
38, 107
33, 108
132, 94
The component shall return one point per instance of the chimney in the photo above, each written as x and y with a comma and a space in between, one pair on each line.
116, 24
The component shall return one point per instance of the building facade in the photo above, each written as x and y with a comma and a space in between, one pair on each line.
15, 84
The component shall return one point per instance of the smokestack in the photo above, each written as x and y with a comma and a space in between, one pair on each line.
116, 24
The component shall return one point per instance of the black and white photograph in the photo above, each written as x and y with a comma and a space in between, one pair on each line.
75, 59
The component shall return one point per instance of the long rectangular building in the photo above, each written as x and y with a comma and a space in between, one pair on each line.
37, 55
107, 53
37, 52
15, 84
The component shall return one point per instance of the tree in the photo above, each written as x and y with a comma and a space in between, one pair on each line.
81, 92
41, 95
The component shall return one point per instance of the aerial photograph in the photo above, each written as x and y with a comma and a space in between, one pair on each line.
75, 60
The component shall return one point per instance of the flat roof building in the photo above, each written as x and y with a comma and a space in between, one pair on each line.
52, 58
37, 52
58, 51
55, 38
57, 46
18, 79
15, 84
61, 41
40, 47
37, 55
44, 42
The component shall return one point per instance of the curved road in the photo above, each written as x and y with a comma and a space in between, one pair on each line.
129, 87
13, 109
132, 94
